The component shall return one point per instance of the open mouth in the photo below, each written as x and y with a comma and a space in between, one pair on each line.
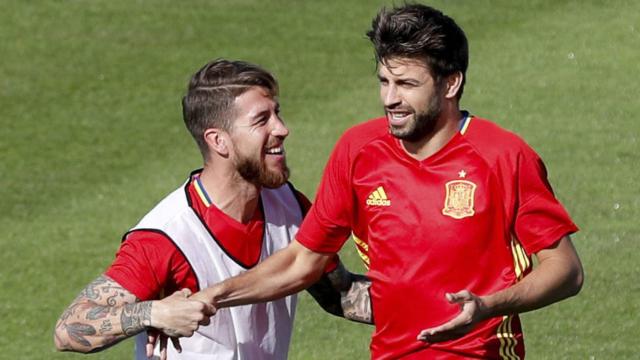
398, 118
278, 150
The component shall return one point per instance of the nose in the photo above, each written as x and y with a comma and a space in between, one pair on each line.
280, 129
390, 96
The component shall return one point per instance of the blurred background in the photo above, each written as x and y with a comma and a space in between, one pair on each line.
91, 137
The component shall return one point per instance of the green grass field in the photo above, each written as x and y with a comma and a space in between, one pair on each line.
92, 137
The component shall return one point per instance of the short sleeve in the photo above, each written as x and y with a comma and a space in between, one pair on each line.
150, 266
328, 224
540, 220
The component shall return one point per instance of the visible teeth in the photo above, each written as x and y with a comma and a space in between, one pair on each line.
399, 115
275, 151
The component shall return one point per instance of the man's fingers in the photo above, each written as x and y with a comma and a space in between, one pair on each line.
449, 330
205, 321
163, 347
201, 296
460, 296
176, 344
152, 337
450, 325
209, 309
186, 292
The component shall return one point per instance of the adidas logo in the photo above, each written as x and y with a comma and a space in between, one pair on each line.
378, 198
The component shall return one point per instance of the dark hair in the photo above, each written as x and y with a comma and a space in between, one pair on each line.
212, 90
421, 32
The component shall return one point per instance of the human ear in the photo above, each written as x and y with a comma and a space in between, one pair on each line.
217, 141
454, 81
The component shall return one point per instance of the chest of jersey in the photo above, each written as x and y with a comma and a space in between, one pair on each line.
445, 211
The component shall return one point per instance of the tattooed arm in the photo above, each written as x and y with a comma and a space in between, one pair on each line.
344, 294
105, 313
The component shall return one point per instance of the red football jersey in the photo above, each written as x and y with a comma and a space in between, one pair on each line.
149, 265
467, 217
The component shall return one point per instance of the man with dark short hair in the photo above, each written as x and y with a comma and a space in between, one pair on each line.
446, 208
226, 218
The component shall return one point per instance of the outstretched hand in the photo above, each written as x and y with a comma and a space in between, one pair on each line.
472, 311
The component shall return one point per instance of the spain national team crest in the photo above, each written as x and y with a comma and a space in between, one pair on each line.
459, 201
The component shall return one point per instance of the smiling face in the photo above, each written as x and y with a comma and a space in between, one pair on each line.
257, 135
412, 98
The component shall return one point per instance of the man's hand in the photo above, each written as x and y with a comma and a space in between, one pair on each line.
472, 311
178, 315
154, 336
175, 316
203, 297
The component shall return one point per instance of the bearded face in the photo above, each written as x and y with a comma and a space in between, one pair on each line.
255, 170
412, 98
420, 123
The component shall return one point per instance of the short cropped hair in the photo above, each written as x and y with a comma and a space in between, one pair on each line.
421, 32
212, 90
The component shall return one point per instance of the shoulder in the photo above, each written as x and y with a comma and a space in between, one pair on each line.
360, 135
150, 243
363, 133
494, 142
147, 262
172, 207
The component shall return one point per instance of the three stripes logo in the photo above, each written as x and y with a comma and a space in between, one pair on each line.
378, 198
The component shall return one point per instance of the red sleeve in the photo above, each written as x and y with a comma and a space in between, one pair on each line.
328, 224
540, 218
306, 205
150, 266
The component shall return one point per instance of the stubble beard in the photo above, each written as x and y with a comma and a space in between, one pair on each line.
255, 172
422, 124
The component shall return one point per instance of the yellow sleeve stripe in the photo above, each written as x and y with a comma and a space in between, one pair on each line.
507, 339
361, 243
362, 248
521, 261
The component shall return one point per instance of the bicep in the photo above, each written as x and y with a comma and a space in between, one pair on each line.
562, 252
559, 267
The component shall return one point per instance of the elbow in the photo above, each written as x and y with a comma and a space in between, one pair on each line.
577, 281
59, 337
62, 342
574, 280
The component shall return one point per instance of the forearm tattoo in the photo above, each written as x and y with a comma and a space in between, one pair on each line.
354, 294
135, 317
100, 316
356, 303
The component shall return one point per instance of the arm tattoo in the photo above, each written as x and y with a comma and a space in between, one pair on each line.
97, 312
135, 317
356, 303
105, 327
90, 323
78, 332
344, 294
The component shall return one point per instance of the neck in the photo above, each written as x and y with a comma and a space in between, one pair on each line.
230, 193
445, 129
